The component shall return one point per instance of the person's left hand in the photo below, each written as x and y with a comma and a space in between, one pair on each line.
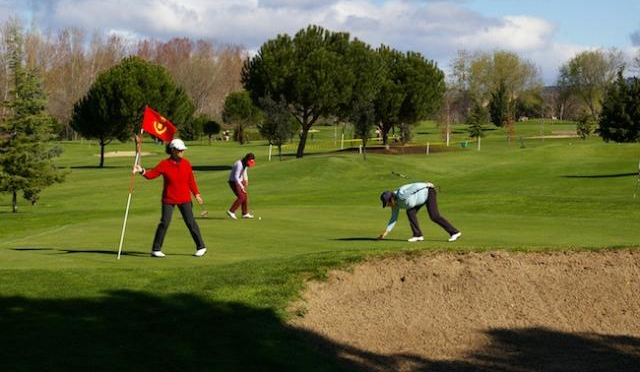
199, 199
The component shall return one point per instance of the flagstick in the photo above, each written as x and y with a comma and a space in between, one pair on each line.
131, 184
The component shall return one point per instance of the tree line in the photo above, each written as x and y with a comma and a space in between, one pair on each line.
70, 60
99, 89
500, 87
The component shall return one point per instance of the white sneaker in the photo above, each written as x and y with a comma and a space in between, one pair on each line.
248, 215
200, 252
157, 254
416, 239
455, 236
232, 215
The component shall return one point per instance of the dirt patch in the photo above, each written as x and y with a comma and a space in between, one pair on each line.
114, 154
561, 311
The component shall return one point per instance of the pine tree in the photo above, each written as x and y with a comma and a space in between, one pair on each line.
499, 105
620, 118
26, 158
477, 117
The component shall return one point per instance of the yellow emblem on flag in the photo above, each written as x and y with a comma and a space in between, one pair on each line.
159, 127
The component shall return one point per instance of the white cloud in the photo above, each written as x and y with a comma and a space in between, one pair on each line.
436, 28
516, 33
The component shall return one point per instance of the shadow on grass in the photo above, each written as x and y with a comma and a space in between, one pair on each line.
97, 167
356, 239
137, 331
32, 249
110, 252
208, 168
615, 175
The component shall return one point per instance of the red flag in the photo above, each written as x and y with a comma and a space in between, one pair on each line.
157, 125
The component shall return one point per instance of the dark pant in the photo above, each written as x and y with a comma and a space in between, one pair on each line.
432, 208
165, 221
242, 199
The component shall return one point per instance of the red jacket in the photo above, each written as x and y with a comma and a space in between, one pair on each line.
178, 180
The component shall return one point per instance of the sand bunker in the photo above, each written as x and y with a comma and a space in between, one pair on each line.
560, 311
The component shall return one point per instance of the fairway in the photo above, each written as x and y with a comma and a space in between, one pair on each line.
64, 294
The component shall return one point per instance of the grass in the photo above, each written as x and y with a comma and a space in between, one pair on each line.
69, 305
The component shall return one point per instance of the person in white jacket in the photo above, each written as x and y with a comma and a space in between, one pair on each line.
412, 197
239, 181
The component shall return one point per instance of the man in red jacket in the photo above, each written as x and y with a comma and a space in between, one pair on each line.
179, 184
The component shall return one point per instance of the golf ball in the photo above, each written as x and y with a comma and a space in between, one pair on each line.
259, 218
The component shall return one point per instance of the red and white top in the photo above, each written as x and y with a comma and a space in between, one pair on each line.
238, 173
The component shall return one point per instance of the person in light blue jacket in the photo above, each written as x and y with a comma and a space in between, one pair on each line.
412, 197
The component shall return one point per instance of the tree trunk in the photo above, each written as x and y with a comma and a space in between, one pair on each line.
303, 141
102, 145
14, 202
280, 152
364, 149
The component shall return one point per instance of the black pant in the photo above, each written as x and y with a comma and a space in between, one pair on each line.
432, 208
165, 221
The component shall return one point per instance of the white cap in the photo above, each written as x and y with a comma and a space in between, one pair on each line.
177, 144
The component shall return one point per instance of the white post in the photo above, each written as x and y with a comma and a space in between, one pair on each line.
447, 134
479, 143
270, 147
427, 148
126, 212
131, 183
360, 149
124, 225
342, 142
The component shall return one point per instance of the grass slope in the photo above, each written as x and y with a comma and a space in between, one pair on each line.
69, 305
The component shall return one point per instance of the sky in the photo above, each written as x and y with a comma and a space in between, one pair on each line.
545, 32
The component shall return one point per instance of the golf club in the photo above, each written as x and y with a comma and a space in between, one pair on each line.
204, 212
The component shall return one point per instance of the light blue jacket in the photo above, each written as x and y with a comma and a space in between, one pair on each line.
407, 197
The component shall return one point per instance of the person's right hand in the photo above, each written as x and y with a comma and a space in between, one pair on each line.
137, 169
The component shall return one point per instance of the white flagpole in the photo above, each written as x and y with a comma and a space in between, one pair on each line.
131, 183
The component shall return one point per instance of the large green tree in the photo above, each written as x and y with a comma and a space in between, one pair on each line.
240, 111
308, 71
113, 107
411, 90
620, 119
587, 76
26, 156
391, 95
368, 71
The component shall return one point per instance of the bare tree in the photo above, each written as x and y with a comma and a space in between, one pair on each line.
207, 72
587, 75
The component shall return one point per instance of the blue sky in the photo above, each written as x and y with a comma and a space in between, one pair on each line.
546, 32
586, 22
